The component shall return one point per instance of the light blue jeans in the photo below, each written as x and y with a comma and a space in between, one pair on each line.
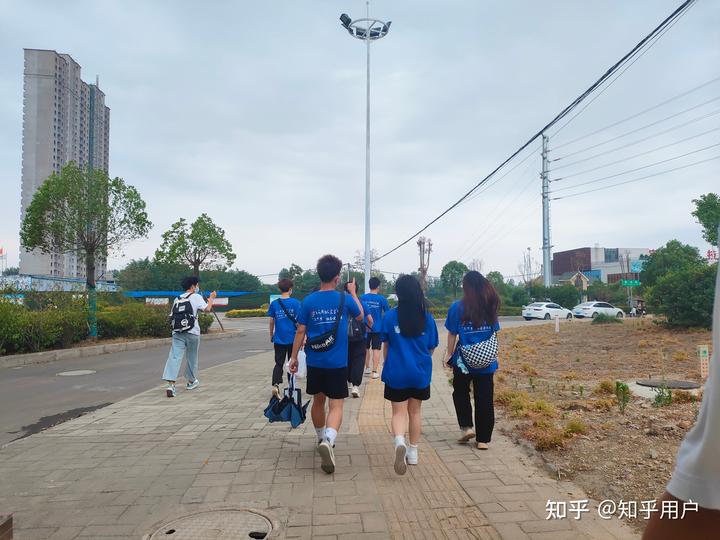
183, 344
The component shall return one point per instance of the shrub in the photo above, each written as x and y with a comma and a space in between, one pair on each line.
240, 313
605, 387
685, 296
133, 320
680, 356
23, 331
575, 426
206, 320
605, 319
603, 404
542, 407
663, 396
545, 436
504, 397
622, 393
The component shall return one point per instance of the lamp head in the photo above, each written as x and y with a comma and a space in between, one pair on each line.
345, 20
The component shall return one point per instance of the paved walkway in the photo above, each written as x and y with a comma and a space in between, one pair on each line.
125, 469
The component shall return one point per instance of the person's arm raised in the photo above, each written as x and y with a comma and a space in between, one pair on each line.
352, 289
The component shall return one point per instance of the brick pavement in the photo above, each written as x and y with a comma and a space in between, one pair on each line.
119, 471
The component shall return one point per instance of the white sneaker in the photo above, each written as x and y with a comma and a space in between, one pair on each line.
466, 434
276, 391
170, 391
327, 457
375, 375
367, 371
193, 385
355, 391
400, 461
412, 455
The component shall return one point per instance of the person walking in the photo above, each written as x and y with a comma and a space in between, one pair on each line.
378, 305
410, 336
357, 332
185, 321
323, 320
474, 319
283, 313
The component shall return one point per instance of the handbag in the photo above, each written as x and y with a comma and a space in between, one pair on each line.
479, 355
326, 341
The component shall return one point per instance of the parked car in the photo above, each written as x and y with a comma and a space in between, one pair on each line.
545, 310
593, 309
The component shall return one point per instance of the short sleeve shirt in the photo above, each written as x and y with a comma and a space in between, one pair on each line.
318, 313
378, 305
198, 303
409, 360
468, 334
284, 327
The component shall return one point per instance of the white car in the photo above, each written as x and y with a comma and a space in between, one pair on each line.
545, 310
593, 309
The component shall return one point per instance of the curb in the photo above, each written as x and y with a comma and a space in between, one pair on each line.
46, 357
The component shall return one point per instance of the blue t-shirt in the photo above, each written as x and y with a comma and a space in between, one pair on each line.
469, 335
318, 313
284, 327
409, 361
378, 305
366, 313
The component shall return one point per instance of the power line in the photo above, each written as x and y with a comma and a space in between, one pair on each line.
633, 116
608, 73
613, 150
636, 179
630, 157
651, 124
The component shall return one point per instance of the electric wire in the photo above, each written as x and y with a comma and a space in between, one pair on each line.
636, 169
566, 111
580, 173
636, 179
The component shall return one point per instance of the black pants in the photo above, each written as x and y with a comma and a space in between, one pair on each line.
356, 361
484, 410
282, 353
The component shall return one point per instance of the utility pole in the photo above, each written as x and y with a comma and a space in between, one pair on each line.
425, 248
547, 247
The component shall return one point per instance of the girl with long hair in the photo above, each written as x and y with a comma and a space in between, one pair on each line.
472, 320
409, 336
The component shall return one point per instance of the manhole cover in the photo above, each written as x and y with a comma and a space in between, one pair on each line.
76, 373
216, 525
673, 385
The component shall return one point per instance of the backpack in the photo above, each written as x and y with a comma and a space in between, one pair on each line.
182, 317
355, 330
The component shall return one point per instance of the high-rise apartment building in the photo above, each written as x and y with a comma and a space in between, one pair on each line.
64, 120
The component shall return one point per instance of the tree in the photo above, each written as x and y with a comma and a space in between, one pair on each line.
452, 275
85, 212
673, 256
294, 272
202, 245
11, 271
685, 296
497, 280
707, 212
613, 293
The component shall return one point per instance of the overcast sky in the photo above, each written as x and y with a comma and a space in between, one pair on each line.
254, 112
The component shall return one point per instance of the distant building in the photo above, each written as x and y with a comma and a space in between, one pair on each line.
64, 120
608, 265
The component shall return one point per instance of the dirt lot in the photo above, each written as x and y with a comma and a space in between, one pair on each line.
551, 392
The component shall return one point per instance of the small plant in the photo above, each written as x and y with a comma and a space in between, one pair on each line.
605, 387
606, 319
545, 436
531, 381
680, 356
603, 404
663, 396
527, 368
542, 407
504, 397
683, 396
582, 390
622, 393
575, 426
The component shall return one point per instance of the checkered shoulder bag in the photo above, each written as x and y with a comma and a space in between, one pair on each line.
480, 355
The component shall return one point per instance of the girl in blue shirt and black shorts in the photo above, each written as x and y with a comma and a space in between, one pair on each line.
410, 335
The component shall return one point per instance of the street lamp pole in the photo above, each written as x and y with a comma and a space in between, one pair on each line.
368, 30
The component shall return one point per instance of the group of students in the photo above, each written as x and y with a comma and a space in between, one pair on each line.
341, 331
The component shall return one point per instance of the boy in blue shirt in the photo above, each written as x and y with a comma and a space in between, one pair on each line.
323, 320
378, 305
283, 314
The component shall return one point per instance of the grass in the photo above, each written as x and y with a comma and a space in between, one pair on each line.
680, 356
545, 436
606, 319
605, 387
603, 404
683, 396
527, 368
576, 427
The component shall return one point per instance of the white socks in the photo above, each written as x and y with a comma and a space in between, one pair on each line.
400, 440
330, 435
320, 431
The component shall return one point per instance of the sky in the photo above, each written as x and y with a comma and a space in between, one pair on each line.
254, 113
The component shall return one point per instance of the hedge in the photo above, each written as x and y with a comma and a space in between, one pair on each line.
25, 331
505, 311
240, 313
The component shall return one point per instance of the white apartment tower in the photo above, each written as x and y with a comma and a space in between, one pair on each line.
64, 120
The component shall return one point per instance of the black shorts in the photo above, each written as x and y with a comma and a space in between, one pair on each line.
373, 340
333, 382
398, 395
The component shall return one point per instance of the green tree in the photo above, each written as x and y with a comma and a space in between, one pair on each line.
707, 212
685, 296
672, 256
497, 280
201, 245
294, 272
84, 212
11, 271
566, 295
613, 293
451, 275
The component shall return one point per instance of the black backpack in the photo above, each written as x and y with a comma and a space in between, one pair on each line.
355, 330
182, 318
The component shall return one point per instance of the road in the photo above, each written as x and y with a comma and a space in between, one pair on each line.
33, 398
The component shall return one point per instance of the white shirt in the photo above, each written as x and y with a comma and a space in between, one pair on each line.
697, 471
198, 303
